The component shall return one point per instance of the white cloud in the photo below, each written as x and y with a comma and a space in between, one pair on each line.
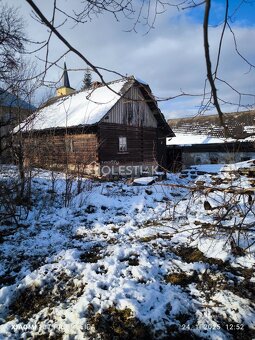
169, 58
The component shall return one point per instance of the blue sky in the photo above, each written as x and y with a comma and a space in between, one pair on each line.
170, 58
241, 13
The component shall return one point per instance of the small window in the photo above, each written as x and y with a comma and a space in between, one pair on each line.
122, 144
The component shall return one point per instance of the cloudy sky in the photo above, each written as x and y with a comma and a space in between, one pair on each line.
169, 57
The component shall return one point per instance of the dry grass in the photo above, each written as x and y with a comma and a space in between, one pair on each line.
117, 324
34, 298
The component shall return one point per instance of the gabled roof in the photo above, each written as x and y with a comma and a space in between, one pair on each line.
88, 107
9, 100
240, 124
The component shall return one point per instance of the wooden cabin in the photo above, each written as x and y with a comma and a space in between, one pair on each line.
113, 129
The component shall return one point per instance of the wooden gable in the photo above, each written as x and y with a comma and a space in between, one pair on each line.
132, 110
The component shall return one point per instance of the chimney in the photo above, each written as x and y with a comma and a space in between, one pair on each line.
96, 84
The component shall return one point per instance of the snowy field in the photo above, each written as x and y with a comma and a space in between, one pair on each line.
83, 259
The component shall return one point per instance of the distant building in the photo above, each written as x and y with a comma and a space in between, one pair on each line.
13, 110
201, 140
99, 131
65, 89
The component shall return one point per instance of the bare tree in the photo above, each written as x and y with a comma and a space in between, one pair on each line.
145, 13
23, 90
12, 41
212, 75
15, 71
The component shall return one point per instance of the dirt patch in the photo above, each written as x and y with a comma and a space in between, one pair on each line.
244, 289
6, 280
189, 255
115, 229
151, 223
155, 237
132, 259
241, 283
209, 284
33, 298
183, 318
90, 209
79, 236
181, 279
101, 270
117, 324
148, 238
247, 273
92, 255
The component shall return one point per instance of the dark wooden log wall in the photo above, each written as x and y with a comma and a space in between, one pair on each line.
161, 149
61, 151
141, 144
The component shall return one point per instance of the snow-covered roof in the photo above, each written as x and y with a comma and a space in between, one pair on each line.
81, 108
190, 139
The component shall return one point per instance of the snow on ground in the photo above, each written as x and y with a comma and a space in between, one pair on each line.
95, 259
144, 180
208, 168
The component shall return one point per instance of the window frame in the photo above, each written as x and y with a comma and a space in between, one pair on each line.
122, 147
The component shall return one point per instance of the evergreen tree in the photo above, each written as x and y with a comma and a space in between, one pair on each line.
87, 80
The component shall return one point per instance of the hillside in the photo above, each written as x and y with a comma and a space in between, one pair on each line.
91, 259
240, 124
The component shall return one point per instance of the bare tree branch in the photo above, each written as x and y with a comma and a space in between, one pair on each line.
209, 67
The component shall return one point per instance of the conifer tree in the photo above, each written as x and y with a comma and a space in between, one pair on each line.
87, 80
